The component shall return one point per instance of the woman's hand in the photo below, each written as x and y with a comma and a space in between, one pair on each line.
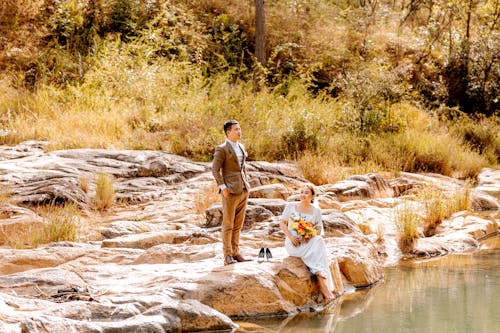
295, 240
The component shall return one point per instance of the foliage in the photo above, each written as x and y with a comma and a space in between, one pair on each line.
362, 85
298, 140
480, 134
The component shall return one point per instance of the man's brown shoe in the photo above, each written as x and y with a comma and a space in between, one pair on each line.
239, 258
229, 260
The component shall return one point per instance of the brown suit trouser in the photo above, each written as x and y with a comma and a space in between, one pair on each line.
233, 215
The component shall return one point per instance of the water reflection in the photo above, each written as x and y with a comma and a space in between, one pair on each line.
456, 293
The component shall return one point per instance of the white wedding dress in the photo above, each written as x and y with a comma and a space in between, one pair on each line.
313, 253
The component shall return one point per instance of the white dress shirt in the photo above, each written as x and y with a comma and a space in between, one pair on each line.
237, 150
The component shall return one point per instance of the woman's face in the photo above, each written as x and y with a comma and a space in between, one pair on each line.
306, 194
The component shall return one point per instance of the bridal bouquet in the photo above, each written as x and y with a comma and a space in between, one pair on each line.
305, 229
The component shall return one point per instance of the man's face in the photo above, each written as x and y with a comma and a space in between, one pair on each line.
234, 133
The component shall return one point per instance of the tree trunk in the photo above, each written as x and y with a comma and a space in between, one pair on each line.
260, 43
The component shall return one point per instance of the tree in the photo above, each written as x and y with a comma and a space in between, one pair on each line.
260, 43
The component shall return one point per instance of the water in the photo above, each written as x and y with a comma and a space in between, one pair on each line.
457, 293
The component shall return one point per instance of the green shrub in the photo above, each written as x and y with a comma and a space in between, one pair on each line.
299, 139
481, 134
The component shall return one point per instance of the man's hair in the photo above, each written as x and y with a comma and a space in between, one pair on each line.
228, 124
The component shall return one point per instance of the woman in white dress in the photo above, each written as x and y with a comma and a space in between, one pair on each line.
311, 249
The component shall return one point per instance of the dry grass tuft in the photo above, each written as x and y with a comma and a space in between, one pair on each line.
20, 235
320, 169
380, 234
460, 200
438, 206
435, 209
104, 193
5, 195
84, 181
407, 223
61, 224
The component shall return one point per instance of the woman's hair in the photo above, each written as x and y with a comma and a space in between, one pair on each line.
313, 191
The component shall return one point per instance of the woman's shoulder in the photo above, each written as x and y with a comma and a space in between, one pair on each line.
289, 208
292, 203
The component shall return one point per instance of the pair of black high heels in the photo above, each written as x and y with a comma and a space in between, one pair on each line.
265, 252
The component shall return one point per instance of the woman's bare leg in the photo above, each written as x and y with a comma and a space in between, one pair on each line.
323, 288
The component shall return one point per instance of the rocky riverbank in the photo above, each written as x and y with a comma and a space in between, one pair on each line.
153, 262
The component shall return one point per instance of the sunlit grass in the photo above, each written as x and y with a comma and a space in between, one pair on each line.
407, 222
61, 224
57, 223
439, 206
5, 195
105, 192
21, 235
380, 234
319, 168
84, 182
132, 99
460, 200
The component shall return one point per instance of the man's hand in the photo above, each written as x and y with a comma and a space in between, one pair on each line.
225, 192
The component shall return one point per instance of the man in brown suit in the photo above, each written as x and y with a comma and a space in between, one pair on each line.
228, 168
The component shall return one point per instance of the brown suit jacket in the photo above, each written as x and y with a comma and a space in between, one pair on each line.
226, 170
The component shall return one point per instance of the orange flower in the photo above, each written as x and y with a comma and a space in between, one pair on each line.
303, 228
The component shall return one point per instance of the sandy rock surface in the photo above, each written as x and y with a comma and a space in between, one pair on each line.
153, 262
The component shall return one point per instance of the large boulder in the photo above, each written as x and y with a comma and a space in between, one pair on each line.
270, 191
336, 223
167, 253
459, 233
277, 287
357, 187
275, 206
63, 254
253, 214
56, 176
126, 294
358, 260
15, 223
483, 201
159, 314
149, 239
489, 182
